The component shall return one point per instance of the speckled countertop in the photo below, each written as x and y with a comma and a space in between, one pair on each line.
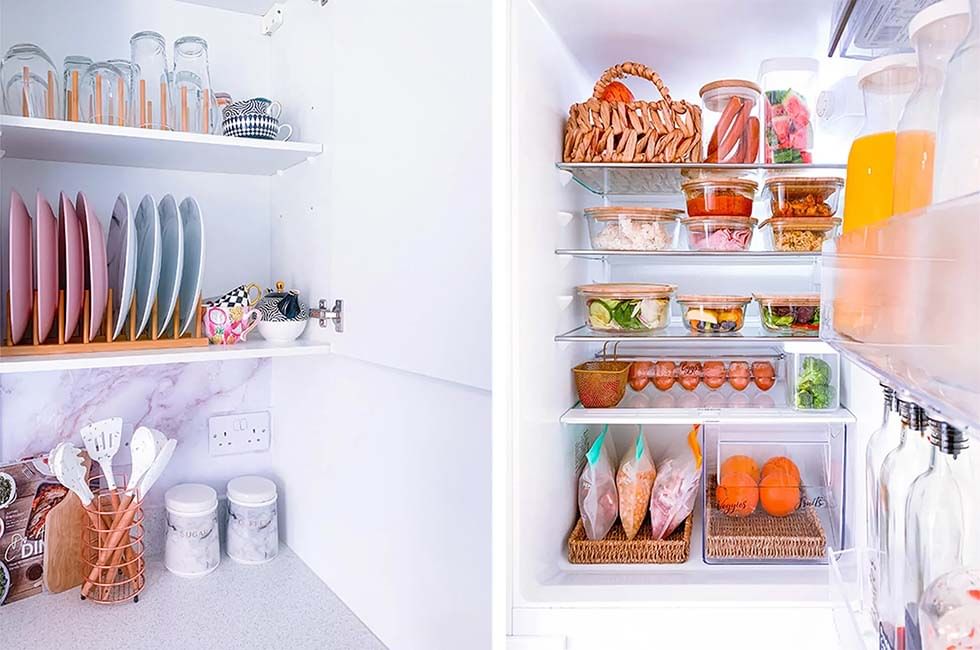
282, 604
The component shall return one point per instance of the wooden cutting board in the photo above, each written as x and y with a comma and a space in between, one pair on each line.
63, 566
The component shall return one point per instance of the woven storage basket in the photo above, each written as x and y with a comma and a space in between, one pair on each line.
760, 536
642, 549
601, 384
663, 131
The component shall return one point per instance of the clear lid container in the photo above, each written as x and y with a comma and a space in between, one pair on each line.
729, 125
720, 233
798, 196
799, 234
789, 94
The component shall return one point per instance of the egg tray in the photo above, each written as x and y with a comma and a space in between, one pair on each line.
760, 536
642, 549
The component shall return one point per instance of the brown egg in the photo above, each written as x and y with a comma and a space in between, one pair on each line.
640, 372
663, 374
690, 372
714, 374
763, 374
738, 375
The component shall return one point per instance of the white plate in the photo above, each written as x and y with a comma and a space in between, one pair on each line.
172, 264
147, 260
121, 254
193, 274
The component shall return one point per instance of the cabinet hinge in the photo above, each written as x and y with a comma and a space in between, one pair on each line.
324, 315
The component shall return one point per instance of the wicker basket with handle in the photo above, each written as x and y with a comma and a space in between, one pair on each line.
663, 131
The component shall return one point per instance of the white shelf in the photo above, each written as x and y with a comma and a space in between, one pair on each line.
254, 7
579, 415
677, 333
692, 257
33, 138
257, 349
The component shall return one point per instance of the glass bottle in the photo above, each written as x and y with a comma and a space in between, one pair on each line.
125, 67
30, 83
197, 108
958, 140
901, 466
74, 68
935, 32
151, 101
882, 441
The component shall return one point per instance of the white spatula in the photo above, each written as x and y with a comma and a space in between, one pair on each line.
102, 442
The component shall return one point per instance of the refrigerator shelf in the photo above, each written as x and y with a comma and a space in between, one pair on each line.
580, 415
689, 257
666, 178
752, 332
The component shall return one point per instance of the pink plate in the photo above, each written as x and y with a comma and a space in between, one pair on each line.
21, 267
71, 261
46, 262
97, 278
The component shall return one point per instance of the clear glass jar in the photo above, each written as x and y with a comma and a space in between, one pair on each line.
102, 95
192, 546
30, 83
812, 378
253, 520
125, 66
949, 611
901, 466
197, 108
74, 68
789, 92
730, 127
151, 101
935, 523
884, 440
935, 32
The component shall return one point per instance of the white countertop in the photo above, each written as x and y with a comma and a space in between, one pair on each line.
282, 604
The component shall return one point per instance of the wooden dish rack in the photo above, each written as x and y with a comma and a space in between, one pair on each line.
100, 340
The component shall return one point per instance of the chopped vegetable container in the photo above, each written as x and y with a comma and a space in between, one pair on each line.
797, 314
719, 197
634, 228
627, 307
813, 379
601, 384
795, 196
720, 233
730, 125
713, 314
799, 234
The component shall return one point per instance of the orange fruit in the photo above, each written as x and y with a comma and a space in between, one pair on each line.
740, 463
737, 494
781, 463
779, 493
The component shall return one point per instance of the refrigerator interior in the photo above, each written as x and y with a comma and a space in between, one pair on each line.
558, 50
370, 440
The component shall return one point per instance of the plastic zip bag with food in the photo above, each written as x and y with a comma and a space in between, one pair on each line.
676, 488
598, 503
634, 482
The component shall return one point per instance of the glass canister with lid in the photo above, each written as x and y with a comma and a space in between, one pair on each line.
633, 228
788, 92
253, 520
634, 307
192, 547
731, 127
935, 32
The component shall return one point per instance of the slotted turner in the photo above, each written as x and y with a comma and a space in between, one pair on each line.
102, 442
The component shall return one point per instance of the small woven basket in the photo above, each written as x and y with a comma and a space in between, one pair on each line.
601, 384
760, 536
642, 549
664, 131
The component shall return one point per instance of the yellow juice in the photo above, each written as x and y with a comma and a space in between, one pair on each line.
870, 180
914, 160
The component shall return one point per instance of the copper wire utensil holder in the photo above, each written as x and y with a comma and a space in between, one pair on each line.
119, 567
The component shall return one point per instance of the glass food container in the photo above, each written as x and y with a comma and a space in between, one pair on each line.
730, 125
790, 314
813, 378
151, 103
719, 233
197, 108
253, 520
719, 197
958, 139
713, 314
795, 196
935, 32
949, 611
74, 69
30, 83
192, 547
788, 90
799, 234
631, 228
102, 95
627, 307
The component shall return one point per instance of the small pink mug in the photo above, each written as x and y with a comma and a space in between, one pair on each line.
222, 328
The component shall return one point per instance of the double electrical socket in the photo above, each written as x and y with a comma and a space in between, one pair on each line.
239, 433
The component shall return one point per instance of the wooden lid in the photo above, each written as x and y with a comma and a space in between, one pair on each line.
789, 300
626, 290
611, 213
729, 83
715, 301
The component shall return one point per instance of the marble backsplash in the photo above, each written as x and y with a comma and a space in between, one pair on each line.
39, 410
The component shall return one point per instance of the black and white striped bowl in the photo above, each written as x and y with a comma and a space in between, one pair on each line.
264, 127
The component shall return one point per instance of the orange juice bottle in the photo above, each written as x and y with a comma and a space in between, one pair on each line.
915, 151
870, 180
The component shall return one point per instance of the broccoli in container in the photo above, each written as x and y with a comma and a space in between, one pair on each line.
814, 389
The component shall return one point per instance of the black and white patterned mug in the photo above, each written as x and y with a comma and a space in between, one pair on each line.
253, 106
